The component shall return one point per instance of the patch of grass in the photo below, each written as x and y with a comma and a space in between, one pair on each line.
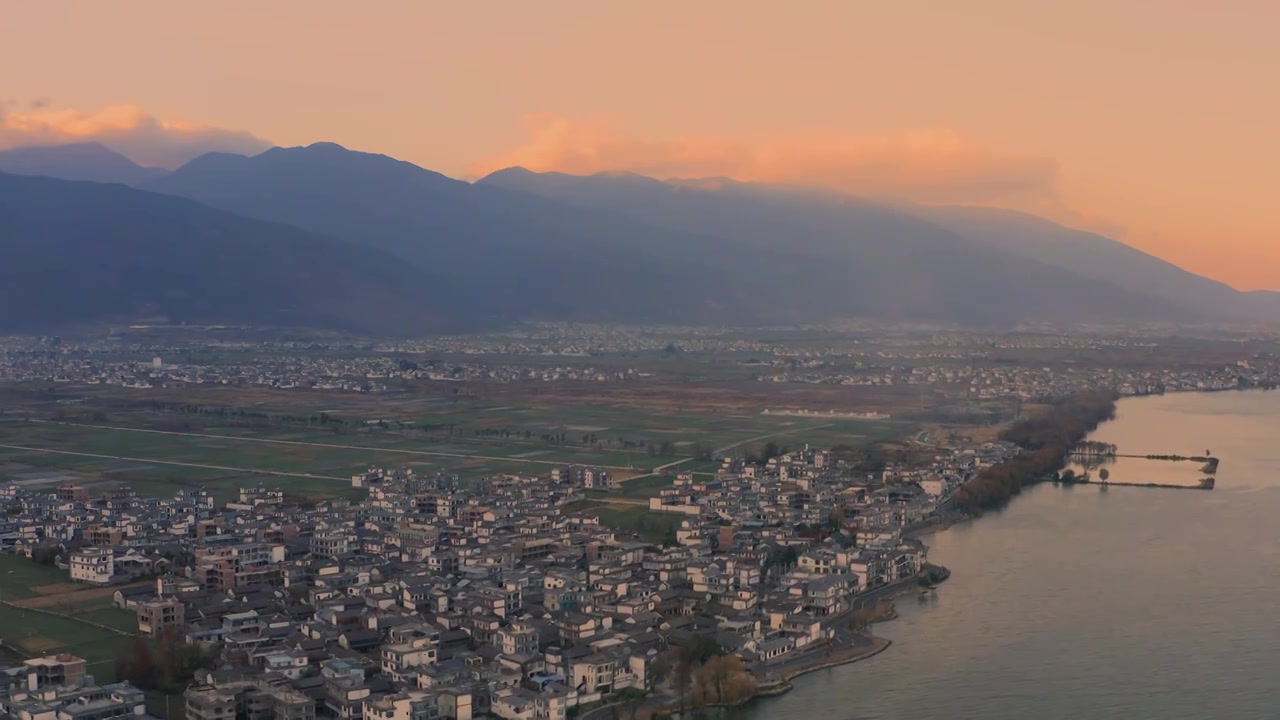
18, 576
112, 617
645, 487
42, 633
654, 527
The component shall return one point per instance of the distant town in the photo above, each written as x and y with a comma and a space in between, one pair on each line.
556, 521
508, 597
962, 366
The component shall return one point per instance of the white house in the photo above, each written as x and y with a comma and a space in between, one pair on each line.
93, 565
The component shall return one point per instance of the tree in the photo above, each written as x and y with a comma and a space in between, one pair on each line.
866, 615
684, 678
836, 518
166, 663
790, 556
1104, 474
46, 555
136, 664
723, 680
699, 649
720, 669
659, 671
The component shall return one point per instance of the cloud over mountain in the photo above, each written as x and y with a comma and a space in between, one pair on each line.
143, 137
936, 166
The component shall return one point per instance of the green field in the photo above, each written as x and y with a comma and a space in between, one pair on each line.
654, 527
18, 575
64, 627
641, 487
158, 454
40, 633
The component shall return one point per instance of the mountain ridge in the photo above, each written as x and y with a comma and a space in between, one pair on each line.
80, 252
897, 253
562, 257
535, 254
1089, 256
88, 161
622, 247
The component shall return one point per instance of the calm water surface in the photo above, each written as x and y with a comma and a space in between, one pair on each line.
1080, 602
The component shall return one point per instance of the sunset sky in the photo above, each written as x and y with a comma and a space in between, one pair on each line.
1154, 121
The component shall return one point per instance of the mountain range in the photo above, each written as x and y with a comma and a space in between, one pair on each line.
79, 252
78, 161
323, 236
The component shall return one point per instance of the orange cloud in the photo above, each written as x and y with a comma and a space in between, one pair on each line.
127, 129
932, 166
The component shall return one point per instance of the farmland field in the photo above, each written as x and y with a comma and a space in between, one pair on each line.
37, 633
43, 613
19, 577
654, 527
159, 453
643, 487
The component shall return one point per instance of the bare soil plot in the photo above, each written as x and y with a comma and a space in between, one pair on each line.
66, 594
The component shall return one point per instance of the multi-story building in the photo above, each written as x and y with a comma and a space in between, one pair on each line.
54, 671
93, 565
157, 616
518, 640
210, 703
331, 543
247, 700
233, 566
409, 705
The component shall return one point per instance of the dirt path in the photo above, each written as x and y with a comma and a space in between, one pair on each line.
758, 438
69, 595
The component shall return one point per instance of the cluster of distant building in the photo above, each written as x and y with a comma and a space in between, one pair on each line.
1028, 382
965, 366
371, 373
432, 599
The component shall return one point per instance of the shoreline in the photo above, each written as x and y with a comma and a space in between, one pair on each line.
782, 683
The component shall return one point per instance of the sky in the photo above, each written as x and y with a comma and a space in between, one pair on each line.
1150, 121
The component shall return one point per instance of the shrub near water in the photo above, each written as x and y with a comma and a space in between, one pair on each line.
1046, 441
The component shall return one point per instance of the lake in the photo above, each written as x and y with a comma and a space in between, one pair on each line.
1079, 601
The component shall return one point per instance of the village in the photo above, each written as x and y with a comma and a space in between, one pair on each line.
506, 597
965, 368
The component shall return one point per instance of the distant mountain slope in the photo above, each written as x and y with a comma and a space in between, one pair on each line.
1266, 302
80, 252
1089, 255
79, 161
519, 256
896, 265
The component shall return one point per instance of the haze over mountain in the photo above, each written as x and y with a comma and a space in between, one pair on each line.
518, 245
930, 234
78, 161
519, 256
1266, 302
1089, 255
699, 256
77, 253
899, 251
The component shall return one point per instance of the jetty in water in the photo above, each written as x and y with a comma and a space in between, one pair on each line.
1093, 455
